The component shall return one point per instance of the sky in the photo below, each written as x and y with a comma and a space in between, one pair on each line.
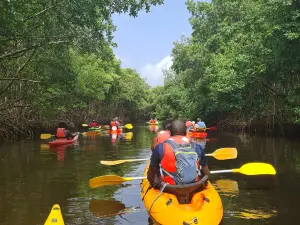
145, 42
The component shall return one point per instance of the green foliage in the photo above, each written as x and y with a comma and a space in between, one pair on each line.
241, 63
57, 63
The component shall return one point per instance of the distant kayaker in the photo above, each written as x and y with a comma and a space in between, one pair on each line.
63, 133
114, 123
200, 125
94, 124
189, 125
165, 166
163, 134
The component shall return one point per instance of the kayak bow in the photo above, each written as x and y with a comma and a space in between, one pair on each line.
204, 207
55, 216
63, 141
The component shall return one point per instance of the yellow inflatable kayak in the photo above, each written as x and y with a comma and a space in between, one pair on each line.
55, 216
203, 207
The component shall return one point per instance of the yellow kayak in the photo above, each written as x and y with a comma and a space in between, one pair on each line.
202, 207
55, 216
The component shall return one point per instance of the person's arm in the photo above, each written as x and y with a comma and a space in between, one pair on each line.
154, 167
203, 162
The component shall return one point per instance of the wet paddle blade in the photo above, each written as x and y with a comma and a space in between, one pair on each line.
106, 180
111, 180
84, 125
225, 153
116, 162
112, 163
46, 136
256, 169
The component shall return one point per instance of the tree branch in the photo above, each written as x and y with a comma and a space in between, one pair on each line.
41, 12
15, 78
18, 71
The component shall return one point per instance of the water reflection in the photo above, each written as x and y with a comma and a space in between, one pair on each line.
32, 180
227, 187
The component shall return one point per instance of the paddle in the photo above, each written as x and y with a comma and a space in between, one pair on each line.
128, 126
46, 136
204, 129
219, 154
85, 125
212, 128
246, 169
251, 169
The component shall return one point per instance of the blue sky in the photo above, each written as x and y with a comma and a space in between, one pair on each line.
145, 42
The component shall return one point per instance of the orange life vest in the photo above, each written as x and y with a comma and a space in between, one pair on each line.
113, 123
168, 162
60, 133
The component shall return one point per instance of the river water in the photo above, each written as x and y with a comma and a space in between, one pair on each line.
33, 178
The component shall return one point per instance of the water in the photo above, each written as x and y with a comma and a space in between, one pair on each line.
33, 178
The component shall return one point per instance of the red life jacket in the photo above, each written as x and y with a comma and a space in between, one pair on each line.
168, 162
160, 138
113, 123
93, 124
60, 133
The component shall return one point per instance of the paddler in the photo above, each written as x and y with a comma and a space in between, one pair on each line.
94, 124
189, 125
115, 123
163, 161
200, 125
62, 132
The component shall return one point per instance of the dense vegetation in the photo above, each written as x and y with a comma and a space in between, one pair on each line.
241, 65
57, 64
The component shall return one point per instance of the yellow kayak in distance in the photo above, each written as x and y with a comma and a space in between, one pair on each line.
55, 216
204, 206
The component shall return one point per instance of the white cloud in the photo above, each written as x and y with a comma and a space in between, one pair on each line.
154, 72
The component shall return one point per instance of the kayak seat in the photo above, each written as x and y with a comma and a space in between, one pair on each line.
184, 193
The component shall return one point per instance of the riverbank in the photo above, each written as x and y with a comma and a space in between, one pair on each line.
275, 130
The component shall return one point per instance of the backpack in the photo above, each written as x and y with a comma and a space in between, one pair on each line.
186, 159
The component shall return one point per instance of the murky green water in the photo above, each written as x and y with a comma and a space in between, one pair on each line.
33, 178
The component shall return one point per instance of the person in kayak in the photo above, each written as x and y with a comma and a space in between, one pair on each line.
94, 124
189, 125
163, 134
164, 162
115, 123
200, 125
63, 133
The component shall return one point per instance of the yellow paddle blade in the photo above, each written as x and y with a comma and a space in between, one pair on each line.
107, 180
84, 125
128, 126
116, 162
256, 169
225, 153
46, 136
112, 163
